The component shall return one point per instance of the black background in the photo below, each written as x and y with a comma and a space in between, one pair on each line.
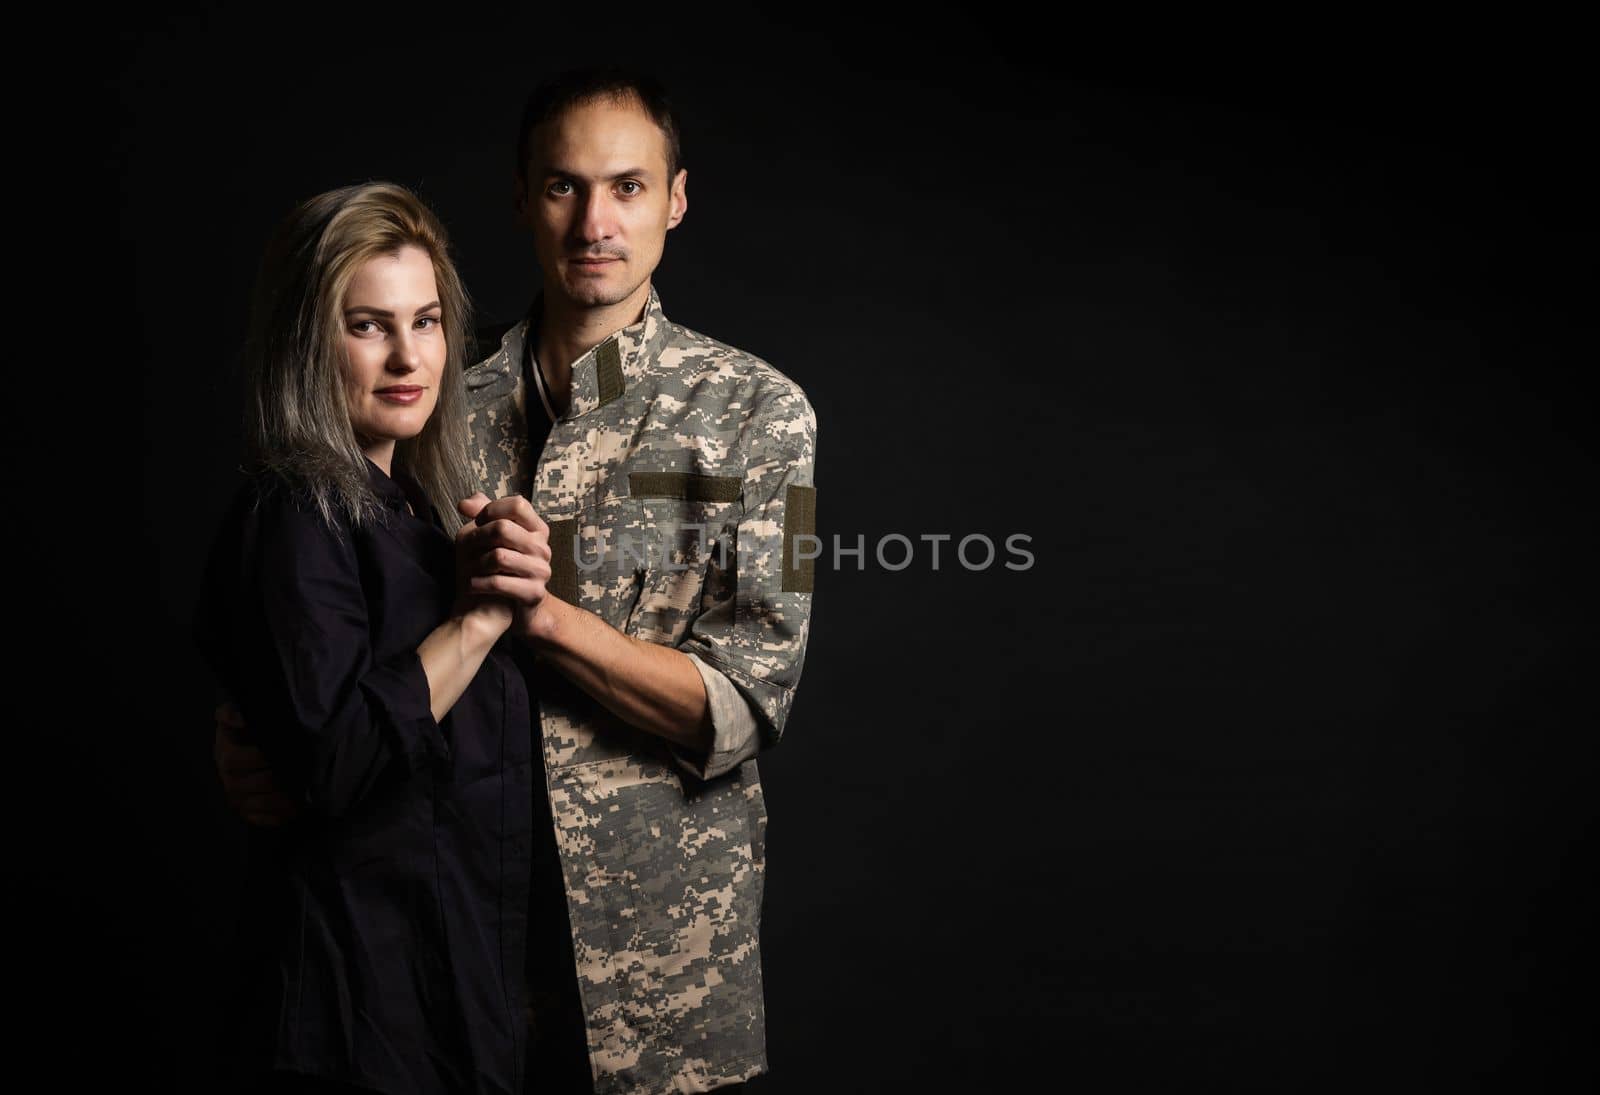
1271, 774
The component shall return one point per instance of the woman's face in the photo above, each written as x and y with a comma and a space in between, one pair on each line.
395, 350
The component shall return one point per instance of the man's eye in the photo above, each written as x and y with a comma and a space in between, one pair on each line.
560, 189
629, 188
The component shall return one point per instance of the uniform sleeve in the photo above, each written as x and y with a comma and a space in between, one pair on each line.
735, 727
348, 717
755, 636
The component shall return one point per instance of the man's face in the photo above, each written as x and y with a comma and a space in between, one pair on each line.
599, 201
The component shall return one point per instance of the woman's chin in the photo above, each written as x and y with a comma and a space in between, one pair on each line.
395, 428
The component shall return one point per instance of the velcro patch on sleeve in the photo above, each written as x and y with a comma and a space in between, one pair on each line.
799, 519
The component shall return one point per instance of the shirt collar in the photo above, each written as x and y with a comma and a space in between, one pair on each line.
395, 492
604, 372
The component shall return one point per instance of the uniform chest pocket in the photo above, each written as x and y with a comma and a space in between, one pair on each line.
683, 543
589, 565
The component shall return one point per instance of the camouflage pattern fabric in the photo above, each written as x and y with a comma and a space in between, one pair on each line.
667, 484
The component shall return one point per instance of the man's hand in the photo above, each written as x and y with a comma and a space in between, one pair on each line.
245, 774
504, 551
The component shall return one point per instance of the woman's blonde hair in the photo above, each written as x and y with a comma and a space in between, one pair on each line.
297, 421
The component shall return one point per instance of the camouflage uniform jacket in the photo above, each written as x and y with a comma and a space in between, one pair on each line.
673, 483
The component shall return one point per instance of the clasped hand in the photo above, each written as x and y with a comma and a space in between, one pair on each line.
502, 559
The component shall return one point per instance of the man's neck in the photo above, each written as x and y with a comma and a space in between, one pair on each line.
567, 332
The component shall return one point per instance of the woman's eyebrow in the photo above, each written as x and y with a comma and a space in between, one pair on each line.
384, 312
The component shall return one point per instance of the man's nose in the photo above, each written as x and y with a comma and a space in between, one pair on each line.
596, 222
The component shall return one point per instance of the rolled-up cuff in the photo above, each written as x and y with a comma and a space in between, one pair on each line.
733, 726
398, 693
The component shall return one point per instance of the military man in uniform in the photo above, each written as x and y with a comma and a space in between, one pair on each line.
674, 475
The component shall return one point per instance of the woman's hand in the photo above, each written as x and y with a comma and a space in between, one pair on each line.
502, 556
488, 616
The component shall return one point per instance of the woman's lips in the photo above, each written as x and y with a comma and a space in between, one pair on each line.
399, 395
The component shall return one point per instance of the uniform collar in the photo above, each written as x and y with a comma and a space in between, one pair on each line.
604, 372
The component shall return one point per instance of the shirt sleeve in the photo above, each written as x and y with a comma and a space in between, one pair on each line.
754, 637
348, 716
735, 728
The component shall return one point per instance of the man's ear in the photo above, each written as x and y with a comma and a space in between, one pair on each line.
680, 198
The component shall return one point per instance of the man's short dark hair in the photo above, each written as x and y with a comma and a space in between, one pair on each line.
575, 87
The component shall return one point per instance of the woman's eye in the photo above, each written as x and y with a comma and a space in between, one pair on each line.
363, 326
427, 321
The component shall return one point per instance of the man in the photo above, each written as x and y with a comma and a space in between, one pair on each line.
675, 475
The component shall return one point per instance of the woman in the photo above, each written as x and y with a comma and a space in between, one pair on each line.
387, 924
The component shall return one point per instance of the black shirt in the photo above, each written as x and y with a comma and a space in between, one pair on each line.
389, 923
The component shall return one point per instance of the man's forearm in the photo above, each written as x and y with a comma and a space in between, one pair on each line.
652, 687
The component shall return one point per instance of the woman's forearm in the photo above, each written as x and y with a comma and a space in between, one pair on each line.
453, 652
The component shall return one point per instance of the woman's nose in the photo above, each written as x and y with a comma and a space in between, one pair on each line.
404, 356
